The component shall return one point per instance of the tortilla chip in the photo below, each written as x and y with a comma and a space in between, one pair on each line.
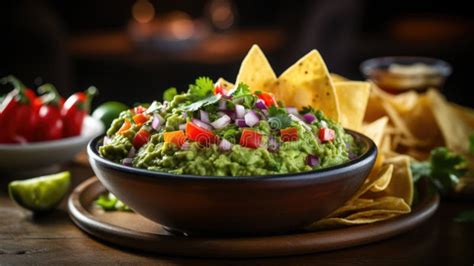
375, 130
465, 113
352, 97
363, 205
383, 174
227, 86
454, 130
401, 183
337, 78
307, 83
255, 71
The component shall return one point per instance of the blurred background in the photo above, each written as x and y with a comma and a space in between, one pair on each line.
134, 49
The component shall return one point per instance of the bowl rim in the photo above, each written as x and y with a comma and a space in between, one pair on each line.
97, 129
444, 68
369, 155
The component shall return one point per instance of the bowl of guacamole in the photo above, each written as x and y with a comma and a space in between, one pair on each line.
230, 161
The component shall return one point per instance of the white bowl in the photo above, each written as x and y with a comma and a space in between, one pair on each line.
36, 157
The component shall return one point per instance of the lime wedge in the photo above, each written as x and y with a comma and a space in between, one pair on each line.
41, 193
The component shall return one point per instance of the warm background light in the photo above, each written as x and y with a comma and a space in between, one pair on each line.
143, 11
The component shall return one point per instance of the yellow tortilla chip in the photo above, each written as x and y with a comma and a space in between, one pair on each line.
375, 130
401, 183
307, 83
227, 86
255, 71
337, 78
352, 97
383, 174
454, 130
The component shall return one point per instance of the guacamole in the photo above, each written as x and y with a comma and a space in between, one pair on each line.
213, 132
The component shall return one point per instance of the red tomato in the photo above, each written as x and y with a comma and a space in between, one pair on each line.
141, 138
219, 90
250, 139
139, 109
326, 134
267, 98
176, 137
289, 134
201, 135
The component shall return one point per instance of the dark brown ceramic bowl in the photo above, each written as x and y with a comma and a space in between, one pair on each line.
234, 205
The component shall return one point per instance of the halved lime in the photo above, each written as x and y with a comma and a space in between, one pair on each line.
41, 193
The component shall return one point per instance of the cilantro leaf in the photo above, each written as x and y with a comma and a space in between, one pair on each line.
278, 118
471, 144
201, 103
203, 87
443, 168
169, 94
242, 89
109, 202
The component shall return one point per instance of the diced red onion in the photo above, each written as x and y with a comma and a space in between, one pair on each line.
265, 112
185, 145
225, 145
222, 105
323, 124
204, 116
107, 140
182, 127
131, 152
300, 121
127, 161
239, 111
221, 122
260, 104
292, 110
201, 124
251, 118
309, 118
230, 113
273, 145
240, 122
312, 160
157, 121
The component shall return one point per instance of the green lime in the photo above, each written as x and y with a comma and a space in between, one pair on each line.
41, 193
108, 111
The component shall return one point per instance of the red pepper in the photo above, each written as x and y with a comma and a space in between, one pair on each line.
326, 134
50, 123
250, 139
141, 138
267, 98
176, 137
289, 134
125, 126
201, 135
140, 119
75, 109
139, 109
17, 119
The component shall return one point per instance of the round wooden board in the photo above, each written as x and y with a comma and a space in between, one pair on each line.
133, 231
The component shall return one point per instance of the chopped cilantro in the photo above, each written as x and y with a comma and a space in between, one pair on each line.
169, 94
443, 168
278, 118
244, 96
109, 202
201, 103
203, 87
242, 89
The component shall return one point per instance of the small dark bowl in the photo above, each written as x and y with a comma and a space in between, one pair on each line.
245, 205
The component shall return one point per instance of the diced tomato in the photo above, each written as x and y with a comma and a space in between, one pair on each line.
218, 89
267, 98
125, 126
176, 137
250, 139
140, 119
201, 135
141, 138
289, 134
326, 134
139, 109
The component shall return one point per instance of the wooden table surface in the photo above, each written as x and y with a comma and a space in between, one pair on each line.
53, 239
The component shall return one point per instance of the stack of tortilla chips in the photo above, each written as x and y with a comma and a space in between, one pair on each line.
402, 126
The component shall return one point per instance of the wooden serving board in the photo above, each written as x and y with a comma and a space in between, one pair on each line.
130, 230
